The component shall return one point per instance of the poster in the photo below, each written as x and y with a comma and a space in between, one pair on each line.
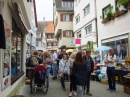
6, 59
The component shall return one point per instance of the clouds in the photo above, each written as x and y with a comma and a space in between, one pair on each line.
44, 9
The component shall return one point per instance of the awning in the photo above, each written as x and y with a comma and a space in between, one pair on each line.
15, 10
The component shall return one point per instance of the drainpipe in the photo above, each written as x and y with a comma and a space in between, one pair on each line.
96, 24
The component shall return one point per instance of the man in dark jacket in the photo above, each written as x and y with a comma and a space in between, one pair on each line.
89, 66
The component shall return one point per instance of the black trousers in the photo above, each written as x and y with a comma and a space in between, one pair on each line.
111, 77
63, 80
72, 83
88, 81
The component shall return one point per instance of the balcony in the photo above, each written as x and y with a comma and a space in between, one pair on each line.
65, 43
62, 9
59, 27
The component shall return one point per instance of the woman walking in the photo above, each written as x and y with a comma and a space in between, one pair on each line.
70, 73
63, 69
48, 61
79, 70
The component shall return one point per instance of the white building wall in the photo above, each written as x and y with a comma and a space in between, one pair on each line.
113, 28
85, 21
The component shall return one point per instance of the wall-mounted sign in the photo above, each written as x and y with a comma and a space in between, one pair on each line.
72, 42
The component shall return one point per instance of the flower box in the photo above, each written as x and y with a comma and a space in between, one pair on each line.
129, 8
105, 21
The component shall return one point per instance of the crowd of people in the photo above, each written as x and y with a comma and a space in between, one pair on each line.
76, 66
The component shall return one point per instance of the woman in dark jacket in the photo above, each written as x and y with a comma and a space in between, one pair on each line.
80, 71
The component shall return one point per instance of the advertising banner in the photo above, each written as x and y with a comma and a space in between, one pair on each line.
6, 78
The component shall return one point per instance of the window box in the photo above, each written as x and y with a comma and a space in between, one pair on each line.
112, 18
120, 13
105, 21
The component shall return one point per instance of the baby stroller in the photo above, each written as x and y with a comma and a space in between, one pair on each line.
39, 80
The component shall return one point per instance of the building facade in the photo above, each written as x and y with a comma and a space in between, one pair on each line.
17, 22
41, 36
114, 32
63, 22
31, 37
85, 23
50, 36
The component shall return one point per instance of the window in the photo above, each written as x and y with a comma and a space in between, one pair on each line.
88, 29
120, 46
78, 34
49, 44
54, 44
49, 37
68, 33
67, 4
87, 10
77, 19
38, 35
37, 44
66, 17
105, 11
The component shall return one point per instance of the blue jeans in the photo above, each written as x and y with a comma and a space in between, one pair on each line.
79, 91
55, 68
47, 74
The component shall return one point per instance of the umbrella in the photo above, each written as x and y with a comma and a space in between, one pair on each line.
103, 48
69, 50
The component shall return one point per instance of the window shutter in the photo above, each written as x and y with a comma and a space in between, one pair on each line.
71, 17
64, 33
72, 34
61, 17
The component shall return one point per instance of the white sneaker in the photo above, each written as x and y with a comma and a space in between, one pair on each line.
75, 93
70, 94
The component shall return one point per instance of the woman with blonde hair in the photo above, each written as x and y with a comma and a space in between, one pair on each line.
70, 73
48, 61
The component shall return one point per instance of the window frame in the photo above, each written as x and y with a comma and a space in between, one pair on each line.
86, 29
65, 17
77, 34
88, 6
77, 17
106, 7
69, 33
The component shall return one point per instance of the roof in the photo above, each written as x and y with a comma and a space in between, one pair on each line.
49, 27
40, 26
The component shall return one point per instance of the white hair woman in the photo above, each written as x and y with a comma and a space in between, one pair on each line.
70, 73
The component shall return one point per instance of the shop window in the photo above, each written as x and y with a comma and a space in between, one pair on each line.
120, 46
88, 29
16, 52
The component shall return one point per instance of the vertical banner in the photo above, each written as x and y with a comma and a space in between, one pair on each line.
6, 78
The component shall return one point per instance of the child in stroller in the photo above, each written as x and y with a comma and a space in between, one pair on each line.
40, 77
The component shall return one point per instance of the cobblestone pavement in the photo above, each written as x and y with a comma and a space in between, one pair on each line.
55, 90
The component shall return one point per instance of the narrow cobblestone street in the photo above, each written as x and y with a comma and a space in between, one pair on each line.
55, 90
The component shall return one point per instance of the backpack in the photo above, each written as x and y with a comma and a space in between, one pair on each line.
28, 63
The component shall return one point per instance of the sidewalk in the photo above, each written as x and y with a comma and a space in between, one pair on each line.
55, 90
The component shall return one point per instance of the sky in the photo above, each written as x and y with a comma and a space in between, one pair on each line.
44, 9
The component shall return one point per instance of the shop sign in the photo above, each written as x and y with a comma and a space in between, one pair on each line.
72, 42
6, 76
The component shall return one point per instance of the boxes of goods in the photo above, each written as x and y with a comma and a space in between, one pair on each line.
127, 89
104, 81
92, 76
117, 78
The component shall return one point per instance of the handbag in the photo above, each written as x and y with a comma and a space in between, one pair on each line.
60, 75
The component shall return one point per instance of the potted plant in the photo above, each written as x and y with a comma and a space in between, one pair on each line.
109, 15
117, 11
